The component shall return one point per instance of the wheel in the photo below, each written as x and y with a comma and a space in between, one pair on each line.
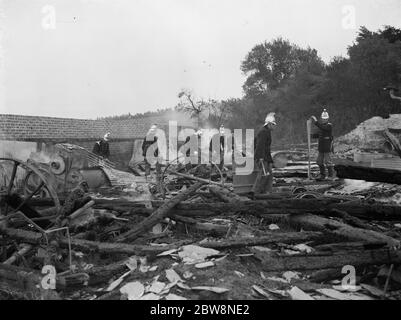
26, 182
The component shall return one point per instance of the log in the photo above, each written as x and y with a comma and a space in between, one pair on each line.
20, 253
337, 260
313, 222
288, 237
191, 177
326, 274
81, 210
92, 246
101, 274
260, 208
213, 228
225, 195
158, 215
351, 170
344, 246
353, 221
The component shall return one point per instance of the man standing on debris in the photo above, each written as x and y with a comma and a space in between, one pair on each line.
263, 158
101, 147
325, 145
151, 140
217, 147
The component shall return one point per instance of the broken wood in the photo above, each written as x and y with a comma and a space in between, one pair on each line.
351, 170
158, 215
356, 258
288, 237
323, 206
92, 246
81, 210
20, 253
191, 177
353, 221
225, 195
313, 222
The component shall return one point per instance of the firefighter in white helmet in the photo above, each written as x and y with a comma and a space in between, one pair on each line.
262, 157
325, 145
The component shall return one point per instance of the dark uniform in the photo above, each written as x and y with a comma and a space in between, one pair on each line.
217, 144
145, 146
325, 148
263, 160
101, 148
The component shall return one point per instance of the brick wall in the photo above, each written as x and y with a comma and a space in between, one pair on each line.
85, 132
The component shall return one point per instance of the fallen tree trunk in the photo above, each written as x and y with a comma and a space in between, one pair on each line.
92, 246
351, 170
20, 253
288, 237
158, 215
260, 208
313, 222
336, 260
353, 221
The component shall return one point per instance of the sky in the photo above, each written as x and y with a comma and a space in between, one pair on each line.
93, 58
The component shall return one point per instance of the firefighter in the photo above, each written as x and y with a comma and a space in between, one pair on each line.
325, 145
262, 157
149, 140
217, 147
101, 147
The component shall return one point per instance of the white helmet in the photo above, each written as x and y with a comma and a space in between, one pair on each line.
271, 118
325, 115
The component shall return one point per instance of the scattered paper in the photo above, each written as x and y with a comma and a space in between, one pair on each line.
274, 227
172, 276
187, 275
133, 290
157, 287
303, 248
289, 275
297, 294
192, 254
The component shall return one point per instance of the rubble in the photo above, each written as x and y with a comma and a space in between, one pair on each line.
200, 240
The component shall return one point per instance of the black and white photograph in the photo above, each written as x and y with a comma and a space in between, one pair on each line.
229, 153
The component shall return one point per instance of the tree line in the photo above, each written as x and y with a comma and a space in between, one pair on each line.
296, 83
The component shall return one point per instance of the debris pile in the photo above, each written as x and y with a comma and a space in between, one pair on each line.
196, 239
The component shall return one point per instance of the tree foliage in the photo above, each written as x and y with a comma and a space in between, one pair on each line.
295, 83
